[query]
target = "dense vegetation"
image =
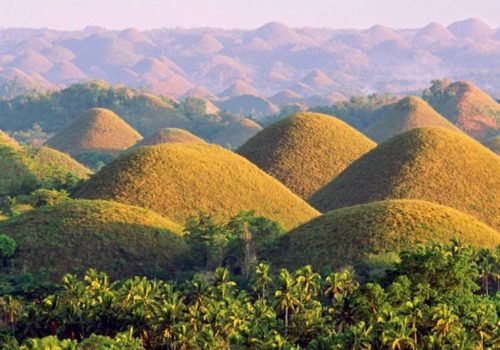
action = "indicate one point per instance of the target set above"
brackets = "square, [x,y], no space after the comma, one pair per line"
[434,297]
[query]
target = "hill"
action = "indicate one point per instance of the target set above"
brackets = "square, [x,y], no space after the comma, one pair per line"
[97,129]
[472,28]
[237,133]
[466,106]
[78,234]
[347,236]
[411,112]
[248,105]
[52,163]
[493,143]
[306,150]
[432,164]
[6,140]
[239,88]
[17,172]
[179,180]
[169,135]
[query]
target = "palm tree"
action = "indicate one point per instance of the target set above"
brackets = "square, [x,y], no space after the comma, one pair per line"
[398,335]
[445,319]
[308,281]
[262,279]
[286,299]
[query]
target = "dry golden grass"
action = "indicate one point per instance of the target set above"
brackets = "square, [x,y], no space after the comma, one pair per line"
[348,235]
[97,129]
[493,143]
[432,164]
[52,163]
[181,179]
[6,140]
[170,135]
[78,234]
[306,150]
[409,113]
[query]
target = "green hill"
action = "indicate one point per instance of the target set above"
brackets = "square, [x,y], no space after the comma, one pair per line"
[345,236]
[181,179]
[78,234]
[96,130]
[432,164]
[52,163]
[236,133]
[409,113]
[16,175]
[493,143]
[306,150]
[170,135]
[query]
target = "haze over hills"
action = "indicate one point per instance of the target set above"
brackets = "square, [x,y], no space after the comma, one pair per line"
[268,60]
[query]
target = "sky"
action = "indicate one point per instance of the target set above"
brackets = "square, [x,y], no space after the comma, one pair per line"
[148,14]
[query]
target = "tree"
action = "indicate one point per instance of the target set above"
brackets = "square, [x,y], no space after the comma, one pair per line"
[7,248]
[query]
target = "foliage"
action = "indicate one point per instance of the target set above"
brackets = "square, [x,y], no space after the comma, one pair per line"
[306,150]
[429,300]
[179,180]
[7,248]
[432,164]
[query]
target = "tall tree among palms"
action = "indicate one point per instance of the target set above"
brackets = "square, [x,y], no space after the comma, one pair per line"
[286,298]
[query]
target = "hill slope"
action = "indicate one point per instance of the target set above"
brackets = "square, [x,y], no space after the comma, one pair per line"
[493,143]
[306,150]
[411,112]
[170,135]
[98,129]
[6,140]
[237,133]
[348,235]
[179,180]
[432,164]
[76,235]
[52,163]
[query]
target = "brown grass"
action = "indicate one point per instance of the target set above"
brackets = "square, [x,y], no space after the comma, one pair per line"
[432,164]
[52,163]
[170,135]
[306,150]
[181,179]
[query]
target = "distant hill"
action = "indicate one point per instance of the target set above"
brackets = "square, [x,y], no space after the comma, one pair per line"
[237,133]
[52,163]
[77,235]
[248,105]
[169,135]
[493,143]
[411,112]
[472,28]
[306,150]
[96,130]
[465,105]
[179,180]
[432,164]
[347,236]
[239,88]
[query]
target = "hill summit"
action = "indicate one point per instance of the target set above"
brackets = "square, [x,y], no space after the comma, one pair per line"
[97,129]
[350,235]
[181,179]
[170,135]
[432,164]
[411,112]
[306,150]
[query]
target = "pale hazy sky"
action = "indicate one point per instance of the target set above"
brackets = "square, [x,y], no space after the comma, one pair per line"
[146,14]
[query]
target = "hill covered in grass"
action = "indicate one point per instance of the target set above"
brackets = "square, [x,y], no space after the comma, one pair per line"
[96,130]
[493,143]
[52,163]
[237,133]
[6,140]
[350,235]
[79,234]
[16,175]
[170,135]
[409,113]
[306,150]
[432,164]
[180,180]
[466,106]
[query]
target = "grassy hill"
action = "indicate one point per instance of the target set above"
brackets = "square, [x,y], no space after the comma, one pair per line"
[16,173]
[179,180]
[306,150]
[493,143]
[237,133]
[6,140]
[78,234]
[466,106]
[432,164]
[170,135]
[52,163]
[411,112]
[348,235]
[98,130]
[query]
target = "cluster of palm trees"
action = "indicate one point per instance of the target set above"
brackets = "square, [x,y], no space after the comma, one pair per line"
[430,300]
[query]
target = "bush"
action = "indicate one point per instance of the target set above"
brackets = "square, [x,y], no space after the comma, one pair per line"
[7,248]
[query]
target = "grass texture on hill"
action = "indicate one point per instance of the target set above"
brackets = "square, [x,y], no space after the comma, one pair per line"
[170,135]
[99,130]
[80,234]
[237,133]
[409,113]
[53,163]
[181,179]
[349,235]
[16,171]
[306,150]
[432,164]
[493,143]
[6,140]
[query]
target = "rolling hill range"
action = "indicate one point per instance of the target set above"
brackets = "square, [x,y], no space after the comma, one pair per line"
[306,150]
[411,112]
[96,130]
[179,180]
[467,106]
[76,235]
[350,235]
[432,164]
[267,60]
